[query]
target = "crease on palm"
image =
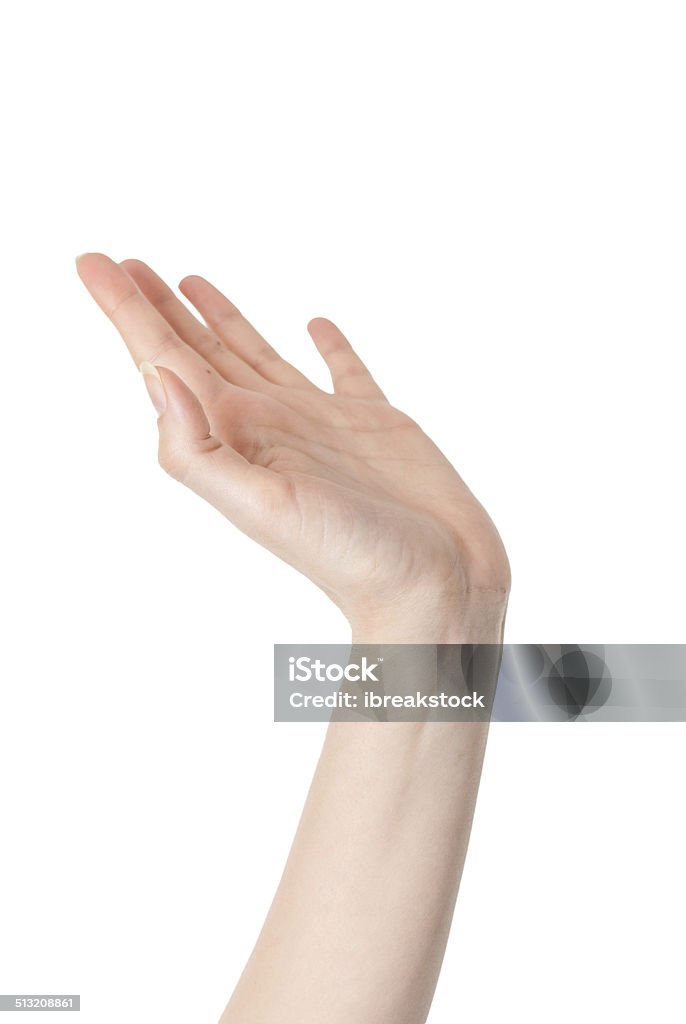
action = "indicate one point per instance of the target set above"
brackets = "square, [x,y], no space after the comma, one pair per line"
[340,455]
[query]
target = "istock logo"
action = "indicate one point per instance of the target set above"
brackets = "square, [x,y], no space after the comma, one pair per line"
[303,670]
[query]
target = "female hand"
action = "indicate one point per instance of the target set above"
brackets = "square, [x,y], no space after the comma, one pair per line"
[352,493]
[343,486]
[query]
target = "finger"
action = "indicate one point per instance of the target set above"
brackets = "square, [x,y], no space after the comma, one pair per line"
[189,328]
[239,336]
[248,495]
[148,336]
[349,374]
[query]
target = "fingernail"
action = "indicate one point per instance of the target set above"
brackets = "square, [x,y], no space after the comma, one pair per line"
[80,256]
[155,386]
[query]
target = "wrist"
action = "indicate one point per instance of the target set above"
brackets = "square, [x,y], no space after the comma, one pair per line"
[477,616]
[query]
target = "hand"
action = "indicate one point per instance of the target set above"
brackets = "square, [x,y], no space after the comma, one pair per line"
[343,486]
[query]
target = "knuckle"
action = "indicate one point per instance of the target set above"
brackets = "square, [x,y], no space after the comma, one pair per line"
[173,459]
[352,374]
[165,341]
[228,319]
[115,310]
[265,358]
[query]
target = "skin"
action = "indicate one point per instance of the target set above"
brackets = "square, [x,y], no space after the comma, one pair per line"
[352,493]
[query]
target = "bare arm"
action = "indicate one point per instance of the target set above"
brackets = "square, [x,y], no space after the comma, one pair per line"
[353,494]
[359,924]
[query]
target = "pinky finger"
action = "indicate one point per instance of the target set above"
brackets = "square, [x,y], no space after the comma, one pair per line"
[348,373]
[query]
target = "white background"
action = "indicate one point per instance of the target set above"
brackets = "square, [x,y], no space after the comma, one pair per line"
[488,198]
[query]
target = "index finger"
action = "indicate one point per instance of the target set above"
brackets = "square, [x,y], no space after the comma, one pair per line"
[148,336]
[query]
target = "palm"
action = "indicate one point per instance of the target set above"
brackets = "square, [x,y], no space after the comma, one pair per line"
[343,486]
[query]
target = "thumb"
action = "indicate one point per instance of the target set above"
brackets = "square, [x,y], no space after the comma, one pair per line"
[191,454]
[183,426]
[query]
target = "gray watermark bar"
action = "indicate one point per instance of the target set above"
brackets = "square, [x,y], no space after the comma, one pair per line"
[41,1004]
[385,682]
[480,682]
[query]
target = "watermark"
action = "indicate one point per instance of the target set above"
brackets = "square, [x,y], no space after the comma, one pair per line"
[24,1003]
[394,682]
[480,682]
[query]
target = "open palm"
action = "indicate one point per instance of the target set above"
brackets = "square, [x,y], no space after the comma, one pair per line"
[343,486]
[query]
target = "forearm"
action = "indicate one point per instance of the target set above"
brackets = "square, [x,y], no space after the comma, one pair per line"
[359,924]
[352,493]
